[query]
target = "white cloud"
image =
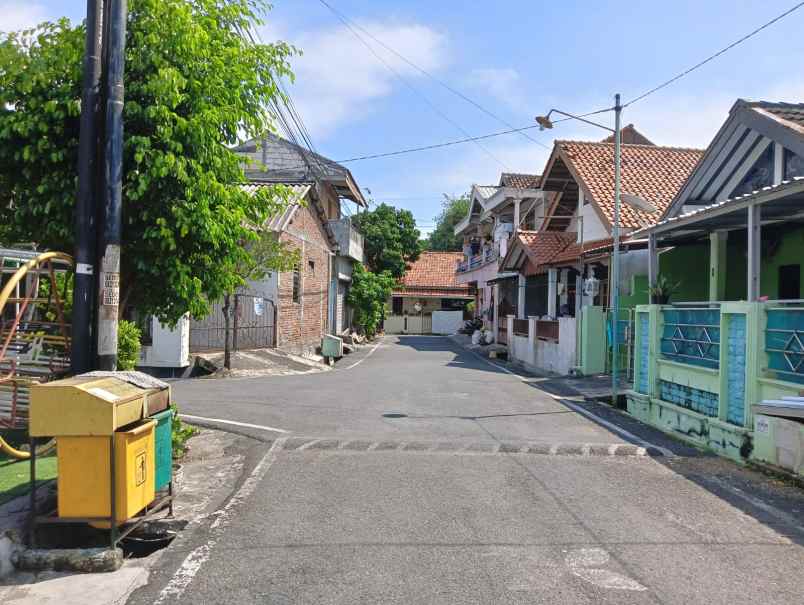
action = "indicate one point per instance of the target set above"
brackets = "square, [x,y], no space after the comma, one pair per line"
[20,15]
[338,80]
[502,84]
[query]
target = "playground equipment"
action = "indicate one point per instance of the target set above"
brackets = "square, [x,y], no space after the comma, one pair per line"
[34,329]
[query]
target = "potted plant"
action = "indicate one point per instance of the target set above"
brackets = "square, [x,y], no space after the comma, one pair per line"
[661,292]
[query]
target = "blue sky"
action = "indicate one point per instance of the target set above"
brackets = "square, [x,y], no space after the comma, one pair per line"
[517,58]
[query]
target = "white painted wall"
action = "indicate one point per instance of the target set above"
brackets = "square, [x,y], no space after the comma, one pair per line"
[447,322]
[557,357]
[169,348]
[593,228]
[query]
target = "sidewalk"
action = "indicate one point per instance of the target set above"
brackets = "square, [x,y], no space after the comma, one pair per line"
[208,474]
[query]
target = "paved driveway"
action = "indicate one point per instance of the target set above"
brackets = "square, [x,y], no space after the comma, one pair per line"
[481,489]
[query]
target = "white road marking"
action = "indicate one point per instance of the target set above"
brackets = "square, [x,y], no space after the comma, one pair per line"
[307,445]
[234,423]
[584,412]
[369,354]
[197,557]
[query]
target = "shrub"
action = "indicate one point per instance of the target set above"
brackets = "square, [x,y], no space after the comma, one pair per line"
[181,433]
[128,345]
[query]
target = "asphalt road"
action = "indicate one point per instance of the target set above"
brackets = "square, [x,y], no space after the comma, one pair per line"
[480,488]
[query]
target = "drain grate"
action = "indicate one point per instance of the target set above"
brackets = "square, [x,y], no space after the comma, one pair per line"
[394,415]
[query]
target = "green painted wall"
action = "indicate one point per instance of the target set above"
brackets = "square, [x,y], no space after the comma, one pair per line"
[688,266]
[788,249]
[639,293]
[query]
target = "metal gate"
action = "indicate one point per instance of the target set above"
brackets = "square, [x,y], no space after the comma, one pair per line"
[625,342]
[252,325]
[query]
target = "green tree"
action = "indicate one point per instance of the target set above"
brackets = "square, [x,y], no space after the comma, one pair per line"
[194,87]
[391,239]
[443,238]
[367,296]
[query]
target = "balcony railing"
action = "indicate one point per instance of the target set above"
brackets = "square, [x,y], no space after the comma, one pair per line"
[476,261]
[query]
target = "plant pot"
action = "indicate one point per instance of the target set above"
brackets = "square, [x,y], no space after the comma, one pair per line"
[660,299]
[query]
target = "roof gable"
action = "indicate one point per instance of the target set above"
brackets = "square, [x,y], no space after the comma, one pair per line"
[274,159]
[750,131]
[651,172]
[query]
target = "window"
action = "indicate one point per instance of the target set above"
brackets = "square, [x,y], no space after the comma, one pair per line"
[790,282]
[793,165]
[311,266]
[397,305]
[296,283]
[760,175]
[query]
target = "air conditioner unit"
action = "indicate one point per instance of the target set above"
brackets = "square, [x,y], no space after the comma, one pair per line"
[591,287]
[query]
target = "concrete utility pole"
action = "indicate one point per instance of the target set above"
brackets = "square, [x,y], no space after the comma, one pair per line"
[111,236]
[86,204]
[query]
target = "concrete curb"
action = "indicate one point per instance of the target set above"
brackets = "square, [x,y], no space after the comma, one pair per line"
[83,560]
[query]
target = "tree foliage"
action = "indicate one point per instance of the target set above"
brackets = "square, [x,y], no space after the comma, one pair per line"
[194,87]
[443,238]
[391,239]
[128,345]
[367,296]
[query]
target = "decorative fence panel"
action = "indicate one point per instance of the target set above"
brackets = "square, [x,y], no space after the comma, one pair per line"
[547,329]
[691,336]
[521,327]
[784,343]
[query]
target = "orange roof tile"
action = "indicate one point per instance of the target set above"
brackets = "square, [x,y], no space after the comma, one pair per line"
[651,172]
[433,271]
[572,253]
[542,246]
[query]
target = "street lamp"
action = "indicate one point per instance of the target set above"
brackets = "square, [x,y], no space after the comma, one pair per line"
[545,123]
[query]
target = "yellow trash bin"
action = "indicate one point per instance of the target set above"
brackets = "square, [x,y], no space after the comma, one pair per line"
[84,488]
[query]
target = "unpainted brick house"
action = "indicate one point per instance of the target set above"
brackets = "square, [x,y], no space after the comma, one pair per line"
[289,310]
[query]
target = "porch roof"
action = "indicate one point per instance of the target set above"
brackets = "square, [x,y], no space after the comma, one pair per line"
[433,293]
[533,249]
[782,202]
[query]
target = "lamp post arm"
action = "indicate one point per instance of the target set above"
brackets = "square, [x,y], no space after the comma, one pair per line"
[579,118]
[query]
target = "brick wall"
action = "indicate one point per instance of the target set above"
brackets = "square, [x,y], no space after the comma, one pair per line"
[301,324]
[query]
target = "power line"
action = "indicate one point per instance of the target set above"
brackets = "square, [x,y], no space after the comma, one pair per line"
[716,55]
[402,79]
[423,71]
[438,145]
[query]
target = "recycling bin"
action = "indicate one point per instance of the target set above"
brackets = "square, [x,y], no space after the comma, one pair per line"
[164,448]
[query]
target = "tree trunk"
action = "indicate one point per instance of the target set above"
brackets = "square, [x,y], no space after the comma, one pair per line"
[236,322]
[227,351]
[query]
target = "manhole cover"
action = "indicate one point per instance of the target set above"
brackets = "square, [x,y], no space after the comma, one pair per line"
[394,415]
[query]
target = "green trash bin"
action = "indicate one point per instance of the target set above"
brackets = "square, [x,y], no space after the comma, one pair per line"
[164,448]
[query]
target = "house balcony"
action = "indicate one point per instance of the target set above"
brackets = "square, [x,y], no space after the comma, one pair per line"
[475,262]
[350,240]
[709,373]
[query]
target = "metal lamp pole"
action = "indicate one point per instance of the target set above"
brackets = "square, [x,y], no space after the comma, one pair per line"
[615,257]
[614,277]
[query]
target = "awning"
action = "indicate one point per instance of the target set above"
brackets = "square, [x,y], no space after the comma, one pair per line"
[502,277]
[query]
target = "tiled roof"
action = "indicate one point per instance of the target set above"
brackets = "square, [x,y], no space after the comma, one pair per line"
[433,292]
[651,172]
[278,160]
[434,270]
[542,246]
[572,253]
[279,221]
[486,191]
[792,114]
[520,181]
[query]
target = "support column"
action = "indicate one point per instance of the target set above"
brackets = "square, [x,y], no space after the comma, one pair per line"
[552,292]
[495,324]
[517,203]
[754,251]
[717,265]
[653,261]
[520,299]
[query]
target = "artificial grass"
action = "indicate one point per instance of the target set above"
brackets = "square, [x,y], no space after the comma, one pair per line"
[15,475]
